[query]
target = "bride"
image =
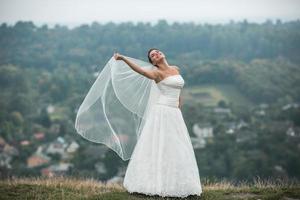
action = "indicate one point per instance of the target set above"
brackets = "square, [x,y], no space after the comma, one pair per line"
[163,161]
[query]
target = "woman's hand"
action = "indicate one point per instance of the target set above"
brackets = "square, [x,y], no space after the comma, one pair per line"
[118,56]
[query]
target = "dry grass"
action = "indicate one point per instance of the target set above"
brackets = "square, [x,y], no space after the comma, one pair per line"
[94,186]
[270,183]
[60,186]
[83,188]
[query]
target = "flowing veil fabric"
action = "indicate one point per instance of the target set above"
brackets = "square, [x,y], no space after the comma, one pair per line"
[116,107]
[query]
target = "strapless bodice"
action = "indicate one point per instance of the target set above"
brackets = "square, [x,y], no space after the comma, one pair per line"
[170,88]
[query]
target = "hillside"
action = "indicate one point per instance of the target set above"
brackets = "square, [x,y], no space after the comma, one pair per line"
[46,72]
[74,188]
[211,94]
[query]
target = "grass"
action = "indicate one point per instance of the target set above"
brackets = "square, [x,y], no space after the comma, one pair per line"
[211,94]
[76,188]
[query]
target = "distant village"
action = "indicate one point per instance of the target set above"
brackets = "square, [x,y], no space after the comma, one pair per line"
[202,133]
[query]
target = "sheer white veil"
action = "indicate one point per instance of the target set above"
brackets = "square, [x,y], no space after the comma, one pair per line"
[116,107]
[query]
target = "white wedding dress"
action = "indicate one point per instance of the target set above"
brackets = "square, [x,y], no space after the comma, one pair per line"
[163,161]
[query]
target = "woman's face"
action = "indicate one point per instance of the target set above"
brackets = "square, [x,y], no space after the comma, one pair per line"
[155,56]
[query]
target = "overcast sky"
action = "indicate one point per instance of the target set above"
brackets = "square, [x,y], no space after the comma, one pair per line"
[73,12]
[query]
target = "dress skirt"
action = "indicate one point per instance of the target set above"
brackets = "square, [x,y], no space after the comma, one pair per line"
[163,161]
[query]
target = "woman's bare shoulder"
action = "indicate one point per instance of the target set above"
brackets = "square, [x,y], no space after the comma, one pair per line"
[176,67]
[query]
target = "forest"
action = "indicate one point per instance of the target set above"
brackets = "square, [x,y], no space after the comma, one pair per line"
[46,72]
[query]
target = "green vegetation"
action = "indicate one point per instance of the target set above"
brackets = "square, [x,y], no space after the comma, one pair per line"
[250,69]
[71,188]
[212,94]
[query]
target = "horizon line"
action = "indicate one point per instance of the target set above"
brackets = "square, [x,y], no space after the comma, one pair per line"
[152,22]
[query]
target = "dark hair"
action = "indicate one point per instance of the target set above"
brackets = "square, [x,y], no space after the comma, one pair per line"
[149,54]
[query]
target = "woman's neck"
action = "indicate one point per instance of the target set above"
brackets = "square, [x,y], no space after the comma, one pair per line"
[163,65]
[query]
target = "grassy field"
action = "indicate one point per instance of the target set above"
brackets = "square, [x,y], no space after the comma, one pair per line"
[209,95]
[75,188]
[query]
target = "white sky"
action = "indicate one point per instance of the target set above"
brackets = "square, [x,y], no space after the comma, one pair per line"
[74,12]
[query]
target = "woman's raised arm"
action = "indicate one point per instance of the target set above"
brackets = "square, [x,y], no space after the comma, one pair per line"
[152,74]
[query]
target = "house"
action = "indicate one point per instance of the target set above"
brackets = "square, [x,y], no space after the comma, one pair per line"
[39,135]
[55,147]
[7,152]
[278,168]
[233,126]
[260,112]
[289,106]
[72,148]
[290,132]
[198,142]
[37,159]
[61,147]
[100,168]
[230,131]
[5,160]
[25,142]
[10,150]
[58,146]
[202,131]
[50,109]
[56,169]
[61,140]
[220,110]
[241,124]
